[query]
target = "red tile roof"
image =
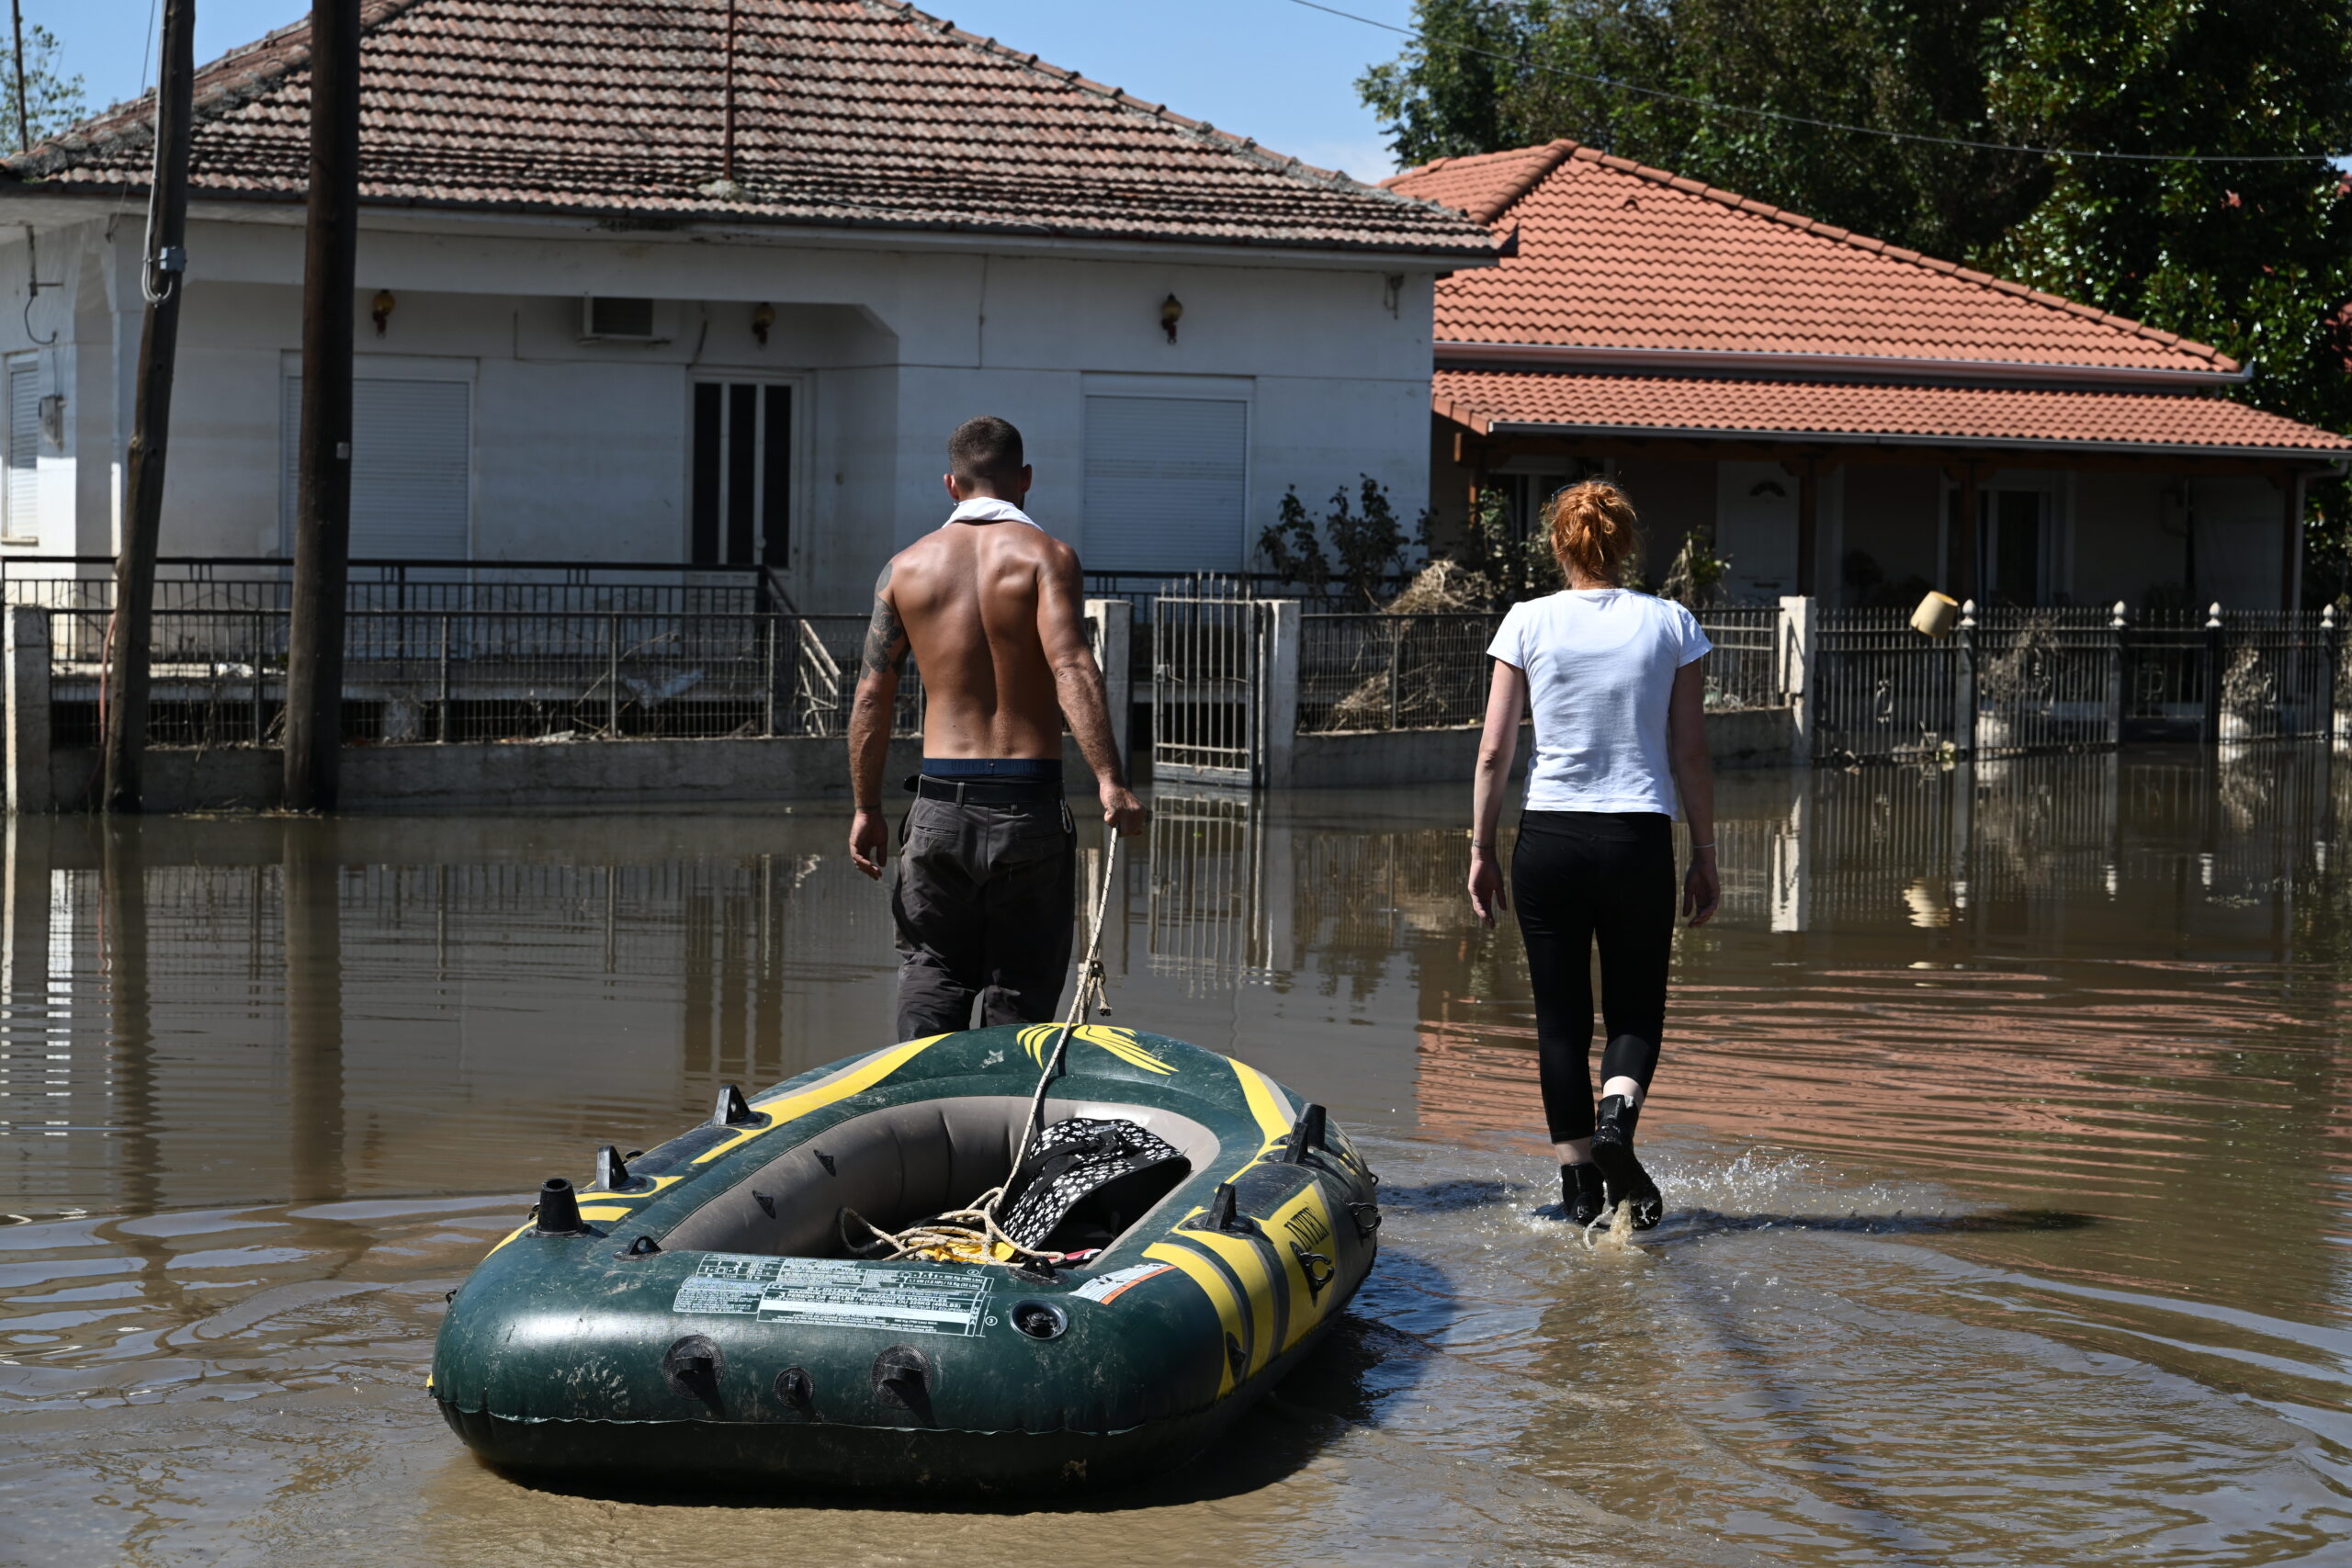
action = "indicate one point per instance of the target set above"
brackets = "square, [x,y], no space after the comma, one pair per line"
[1612,254]
[1873,414]
[848,113]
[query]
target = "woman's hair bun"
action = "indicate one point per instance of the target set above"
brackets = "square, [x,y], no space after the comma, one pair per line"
[1594,531]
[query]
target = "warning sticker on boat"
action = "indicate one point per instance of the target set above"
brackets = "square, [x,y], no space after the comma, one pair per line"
[836,1292]
[1110,1287]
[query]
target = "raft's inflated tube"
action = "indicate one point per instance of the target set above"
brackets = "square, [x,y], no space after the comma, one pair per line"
[696,1317]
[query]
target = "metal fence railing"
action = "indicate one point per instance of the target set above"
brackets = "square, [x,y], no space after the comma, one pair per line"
[258,583]
[217,676]
[1360,673]
[2047,680]
[1881,690]
[2012,680]
[1209,654]
[1743,670]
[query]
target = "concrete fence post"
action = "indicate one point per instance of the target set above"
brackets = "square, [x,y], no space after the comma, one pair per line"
[1278,691]
[27,650]
[1795,646]
[1113,621]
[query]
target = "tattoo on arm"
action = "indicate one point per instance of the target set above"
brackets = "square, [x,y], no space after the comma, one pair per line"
[886,638]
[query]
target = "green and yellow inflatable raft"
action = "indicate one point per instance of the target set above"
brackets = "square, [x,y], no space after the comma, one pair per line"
[700,1315]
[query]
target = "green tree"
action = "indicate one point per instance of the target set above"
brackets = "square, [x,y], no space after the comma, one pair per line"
[52,100]
[1918,66]
[2253,258]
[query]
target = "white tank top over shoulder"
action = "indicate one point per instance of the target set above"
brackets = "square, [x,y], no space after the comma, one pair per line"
[1600,665]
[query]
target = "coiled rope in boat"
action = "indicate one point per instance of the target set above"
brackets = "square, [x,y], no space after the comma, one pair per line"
[972,1234]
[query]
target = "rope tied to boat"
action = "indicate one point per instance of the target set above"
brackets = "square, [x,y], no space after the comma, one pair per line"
[972,1234]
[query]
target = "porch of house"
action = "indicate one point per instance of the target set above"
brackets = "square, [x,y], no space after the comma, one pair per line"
[1879,527]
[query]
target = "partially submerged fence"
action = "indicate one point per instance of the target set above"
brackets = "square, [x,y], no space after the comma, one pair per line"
[219,675]
[2011,681]
[1364,673]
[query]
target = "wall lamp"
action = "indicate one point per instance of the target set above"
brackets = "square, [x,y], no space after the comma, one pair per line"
[763,318]
[1172,310]
[382,309]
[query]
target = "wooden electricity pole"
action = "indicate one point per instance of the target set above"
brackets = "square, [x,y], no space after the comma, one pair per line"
[322,485]
[163,276]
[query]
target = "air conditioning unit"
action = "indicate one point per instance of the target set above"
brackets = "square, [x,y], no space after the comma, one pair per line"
[611,318]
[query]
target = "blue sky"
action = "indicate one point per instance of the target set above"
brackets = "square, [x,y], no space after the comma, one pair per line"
[1264,68]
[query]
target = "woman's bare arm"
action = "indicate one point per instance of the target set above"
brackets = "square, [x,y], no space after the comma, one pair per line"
[1694,780]
[1497,746]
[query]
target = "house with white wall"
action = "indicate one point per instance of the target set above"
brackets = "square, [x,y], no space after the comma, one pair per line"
[709,282]
[1842,417]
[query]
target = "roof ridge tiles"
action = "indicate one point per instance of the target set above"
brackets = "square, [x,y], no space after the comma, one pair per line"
[1582,153]
[896,65]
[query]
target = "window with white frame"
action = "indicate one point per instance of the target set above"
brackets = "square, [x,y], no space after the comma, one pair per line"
[1166,484]
[740,510]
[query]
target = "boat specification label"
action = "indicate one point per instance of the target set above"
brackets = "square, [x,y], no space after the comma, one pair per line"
[837,1292]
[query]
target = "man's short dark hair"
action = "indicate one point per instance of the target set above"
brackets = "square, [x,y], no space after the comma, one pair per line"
[986,449]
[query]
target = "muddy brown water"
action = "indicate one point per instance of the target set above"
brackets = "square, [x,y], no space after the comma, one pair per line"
[2003,1123]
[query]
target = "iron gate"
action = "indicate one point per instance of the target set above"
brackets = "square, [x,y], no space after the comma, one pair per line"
[1209,652]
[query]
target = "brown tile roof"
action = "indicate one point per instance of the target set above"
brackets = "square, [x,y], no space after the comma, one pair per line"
[1613,255]
[1845,413]
[848,113]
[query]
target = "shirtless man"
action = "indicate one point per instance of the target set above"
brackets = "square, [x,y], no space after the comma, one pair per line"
[993,609]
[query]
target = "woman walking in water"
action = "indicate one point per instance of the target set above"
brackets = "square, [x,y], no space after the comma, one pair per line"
[1613,677]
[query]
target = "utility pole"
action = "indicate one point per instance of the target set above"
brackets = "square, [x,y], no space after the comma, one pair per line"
[322,487]
[162,272]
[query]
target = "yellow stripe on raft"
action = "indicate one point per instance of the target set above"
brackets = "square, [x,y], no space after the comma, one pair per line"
[1202,1272]
[1248,1266]
[856,1080]
[510,1236]
[1302,1224]
[1265,1100]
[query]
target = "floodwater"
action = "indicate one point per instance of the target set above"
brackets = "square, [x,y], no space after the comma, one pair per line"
[2005,1123]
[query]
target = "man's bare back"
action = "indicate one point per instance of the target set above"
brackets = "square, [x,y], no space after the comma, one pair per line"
[994,613]
[985,608]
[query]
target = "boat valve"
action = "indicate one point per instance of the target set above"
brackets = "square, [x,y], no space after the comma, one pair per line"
[559,1210]
[796,1388]
[690,1365]
[733,1110]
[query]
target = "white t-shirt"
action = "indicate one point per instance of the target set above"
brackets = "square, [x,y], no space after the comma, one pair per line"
[1599,665]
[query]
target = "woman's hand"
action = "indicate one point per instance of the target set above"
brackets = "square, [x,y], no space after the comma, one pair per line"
[1701,889]
[1486,894]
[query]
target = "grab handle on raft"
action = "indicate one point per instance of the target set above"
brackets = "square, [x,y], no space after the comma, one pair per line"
[1307,1133]
[733,1110]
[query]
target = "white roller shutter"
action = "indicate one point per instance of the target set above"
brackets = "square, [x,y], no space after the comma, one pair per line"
[411,455]
[23,503]
[1166,484]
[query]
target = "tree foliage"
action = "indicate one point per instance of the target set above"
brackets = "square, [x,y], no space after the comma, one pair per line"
[52,99]
[2255,259]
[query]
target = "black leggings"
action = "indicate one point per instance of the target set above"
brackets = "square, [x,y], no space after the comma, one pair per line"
[1578,876]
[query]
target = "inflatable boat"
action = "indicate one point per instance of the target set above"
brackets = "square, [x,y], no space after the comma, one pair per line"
[768,1299]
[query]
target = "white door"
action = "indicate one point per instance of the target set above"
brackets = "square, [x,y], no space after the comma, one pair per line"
[1166,484]
[411,468]
[1756,529]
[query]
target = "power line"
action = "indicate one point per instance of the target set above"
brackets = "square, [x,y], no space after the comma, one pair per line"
[1711,106]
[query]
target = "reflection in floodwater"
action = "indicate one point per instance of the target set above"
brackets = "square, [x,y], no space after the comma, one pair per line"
[2003,1116]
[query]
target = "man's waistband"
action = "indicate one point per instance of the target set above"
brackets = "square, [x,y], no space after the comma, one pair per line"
[988,781]
[992,768]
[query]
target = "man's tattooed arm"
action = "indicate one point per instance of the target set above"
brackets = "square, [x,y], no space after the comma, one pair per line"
[886,638]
